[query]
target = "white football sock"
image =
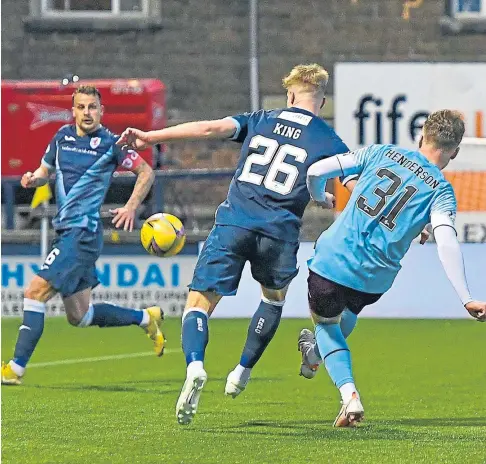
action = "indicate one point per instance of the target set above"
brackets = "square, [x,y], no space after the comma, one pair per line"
[194,366]
[19,370]
[243,373]
[347,391]
[145,318]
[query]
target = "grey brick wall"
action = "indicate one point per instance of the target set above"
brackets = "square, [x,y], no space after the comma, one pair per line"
[201,51]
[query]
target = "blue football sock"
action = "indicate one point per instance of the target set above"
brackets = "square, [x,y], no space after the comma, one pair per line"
[195,334]
[109,315]
[335,353]
[262,328]
[30,331]
[347,324]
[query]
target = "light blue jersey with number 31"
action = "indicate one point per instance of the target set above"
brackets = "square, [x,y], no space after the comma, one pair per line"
[392,202]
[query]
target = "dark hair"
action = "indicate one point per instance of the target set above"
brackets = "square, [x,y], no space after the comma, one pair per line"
[87,90]
[444,129]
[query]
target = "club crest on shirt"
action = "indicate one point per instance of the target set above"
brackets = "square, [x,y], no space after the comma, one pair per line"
[95,142]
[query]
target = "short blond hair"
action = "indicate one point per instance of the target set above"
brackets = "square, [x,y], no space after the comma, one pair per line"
[308,77]
[444,129]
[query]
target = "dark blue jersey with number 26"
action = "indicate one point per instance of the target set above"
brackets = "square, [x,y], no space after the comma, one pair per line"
[268,193]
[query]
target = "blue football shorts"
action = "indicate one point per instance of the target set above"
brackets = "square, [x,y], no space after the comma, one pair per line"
[70,265]
[273,262]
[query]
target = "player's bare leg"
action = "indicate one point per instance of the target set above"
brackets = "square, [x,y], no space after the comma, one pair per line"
[262,328]
[199,307]
[36,295]
[80,312]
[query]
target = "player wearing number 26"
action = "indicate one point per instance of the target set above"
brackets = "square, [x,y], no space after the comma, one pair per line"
[356,260]
[259,222]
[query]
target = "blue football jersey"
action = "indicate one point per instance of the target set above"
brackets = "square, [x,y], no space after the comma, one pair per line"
[268,193]
[83,166]
[392,202]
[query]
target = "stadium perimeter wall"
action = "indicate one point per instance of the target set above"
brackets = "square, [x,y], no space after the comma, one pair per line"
[132,278]
[201,52]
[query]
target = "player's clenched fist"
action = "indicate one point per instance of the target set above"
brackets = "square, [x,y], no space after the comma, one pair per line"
[28,180]
[329,201]
[134,138]
[477,309]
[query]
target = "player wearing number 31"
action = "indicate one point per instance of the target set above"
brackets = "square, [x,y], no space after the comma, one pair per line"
[83,156]
[356,260]
[259,222]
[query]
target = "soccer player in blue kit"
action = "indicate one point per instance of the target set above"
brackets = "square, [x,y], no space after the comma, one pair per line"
[356,260]
[259,221]
[83,156]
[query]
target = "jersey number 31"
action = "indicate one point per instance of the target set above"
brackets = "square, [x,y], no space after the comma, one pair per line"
[274,154]
[389,220]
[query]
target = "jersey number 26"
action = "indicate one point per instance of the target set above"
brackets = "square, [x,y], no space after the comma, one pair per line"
[274,155]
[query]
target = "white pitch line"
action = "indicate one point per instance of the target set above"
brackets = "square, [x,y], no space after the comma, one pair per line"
[96,359]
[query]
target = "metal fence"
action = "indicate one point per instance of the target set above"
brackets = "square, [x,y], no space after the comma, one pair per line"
[191,194]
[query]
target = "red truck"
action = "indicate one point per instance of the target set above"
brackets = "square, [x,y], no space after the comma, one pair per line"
[32,111]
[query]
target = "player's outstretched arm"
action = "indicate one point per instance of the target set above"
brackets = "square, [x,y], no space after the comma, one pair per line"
[197,130]
[319,173]
[35,179]
[125,216]
[452,261]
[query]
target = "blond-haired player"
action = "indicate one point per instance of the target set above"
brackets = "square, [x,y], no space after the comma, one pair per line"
[259,222]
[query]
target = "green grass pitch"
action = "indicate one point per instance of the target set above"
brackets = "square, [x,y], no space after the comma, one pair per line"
[422,383]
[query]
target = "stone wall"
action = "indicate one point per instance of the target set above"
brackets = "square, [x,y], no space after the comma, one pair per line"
[201,49]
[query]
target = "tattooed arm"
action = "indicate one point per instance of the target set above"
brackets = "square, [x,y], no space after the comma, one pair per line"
[125,217]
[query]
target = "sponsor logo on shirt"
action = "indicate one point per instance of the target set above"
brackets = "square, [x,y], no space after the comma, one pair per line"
[298,118]
[80,150]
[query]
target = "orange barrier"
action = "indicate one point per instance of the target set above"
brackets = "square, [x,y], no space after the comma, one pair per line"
[469,187]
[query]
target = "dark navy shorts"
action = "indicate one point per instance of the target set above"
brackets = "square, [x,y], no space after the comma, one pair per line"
[227,249]
[70,266]
[329,299]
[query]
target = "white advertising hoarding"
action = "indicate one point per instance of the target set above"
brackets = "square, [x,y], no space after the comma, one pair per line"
[471,227]
[421,289]
[133,281]
[389,102]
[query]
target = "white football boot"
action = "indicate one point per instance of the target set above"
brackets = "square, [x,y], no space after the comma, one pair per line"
[306,343]
[188,401]
[351,413]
